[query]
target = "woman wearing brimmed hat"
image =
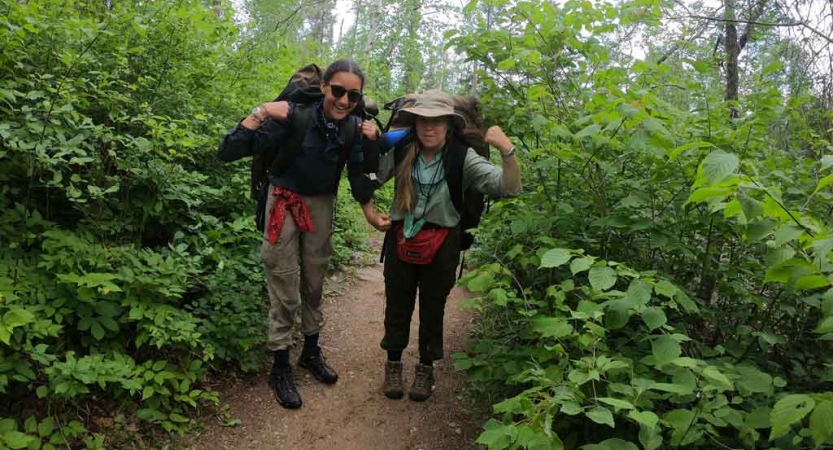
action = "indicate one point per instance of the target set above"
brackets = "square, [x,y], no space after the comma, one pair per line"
[422,248]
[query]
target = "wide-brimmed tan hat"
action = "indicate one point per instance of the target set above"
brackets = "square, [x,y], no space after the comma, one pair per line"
[433,103]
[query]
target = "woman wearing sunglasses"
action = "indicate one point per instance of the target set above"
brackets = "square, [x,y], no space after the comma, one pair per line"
[298,227]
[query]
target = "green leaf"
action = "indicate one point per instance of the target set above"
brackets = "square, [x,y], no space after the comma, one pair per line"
[601,415]
[759,418]
[554,327]
[42,391]
[602,278]
[826,326]
[773,67]
[616,403]
[579,265]
[17,317]
[665,349]
[826,161]
[823,183]
[639,292]
[673,154]
[699,66]
[7,425]
[788,411]
[480,283]
[753,380]
[178,418]
[5,335]
[147,392]
[619,444]
[97,331]
[759,229]
[654,318]
[665,288]
[787,233]
[708,193]
[686,302]
[571,408]
[496,435]
[718,165]
[717,378]
[16,440]
[650,437]
[589,131]
[647,418]
[45,427]
[506,64]
[555,258]
[821,422]
[617,313]
[30,425]
[809,282]
[679,419]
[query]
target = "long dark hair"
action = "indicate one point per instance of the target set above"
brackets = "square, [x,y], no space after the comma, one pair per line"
[343,65]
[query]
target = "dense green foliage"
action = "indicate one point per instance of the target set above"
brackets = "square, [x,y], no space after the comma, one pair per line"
[665,282]
[129,263]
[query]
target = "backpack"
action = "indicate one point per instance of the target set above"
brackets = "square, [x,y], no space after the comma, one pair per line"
[303,90]
[469,204]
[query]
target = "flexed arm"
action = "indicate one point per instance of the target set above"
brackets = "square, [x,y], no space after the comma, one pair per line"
[510,181]
[256,133]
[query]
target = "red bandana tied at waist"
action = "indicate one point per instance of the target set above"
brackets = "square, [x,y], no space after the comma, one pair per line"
[288,200]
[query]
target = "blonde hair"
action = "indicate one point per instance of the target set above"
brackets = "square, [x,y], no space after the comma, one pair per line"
[405,198]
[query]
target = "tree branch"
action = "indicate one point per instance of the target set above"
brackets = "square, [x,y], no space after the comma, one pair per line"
[753,22]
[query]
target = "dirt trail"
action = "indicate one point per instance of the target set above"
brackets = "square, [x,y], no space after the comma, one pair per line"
[353,414]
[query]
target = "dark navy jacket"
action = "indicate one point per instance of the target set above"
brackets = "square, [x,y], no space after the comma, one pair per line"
[315,170]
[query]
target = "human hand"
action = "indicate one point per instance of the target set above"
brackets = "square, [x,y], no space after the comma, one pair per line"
[379,221]
[369,130]
[497,138]
[276,110]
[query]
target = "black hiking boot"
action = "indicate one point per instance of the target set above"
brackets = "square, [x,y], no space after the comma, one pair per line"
[282,384]
[313,361]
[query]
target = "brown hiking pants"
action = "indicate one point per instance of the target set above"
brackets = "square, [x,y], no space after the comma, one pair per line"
[295,267]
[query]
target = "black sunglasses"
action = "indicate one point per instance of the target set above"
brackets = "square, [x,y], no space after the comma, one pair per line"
[353,95]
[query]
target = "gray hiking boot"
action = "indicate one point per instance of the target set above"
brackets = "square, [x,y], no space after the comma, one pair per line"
[393,380]
[423,383]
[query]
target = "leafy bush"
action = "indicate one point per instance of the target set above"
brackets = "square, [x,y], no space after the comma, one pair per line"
[665,281]
[129,258]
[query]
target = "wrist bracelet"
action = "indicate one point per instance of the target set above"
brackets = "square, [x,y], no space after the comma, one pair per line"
[509,153]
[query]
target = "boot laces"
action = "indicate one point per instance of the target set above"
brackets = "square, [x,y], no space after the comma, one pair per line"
[423,378]
[396,376]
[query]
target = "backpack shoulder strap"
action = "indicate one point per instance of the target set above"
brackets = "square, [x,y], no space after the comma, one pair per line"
[302,117]
[454,163]
[347,134]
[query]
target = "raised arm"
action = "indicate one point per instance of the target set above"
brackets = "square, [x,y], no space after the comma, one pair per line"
[256,132]
[511,178]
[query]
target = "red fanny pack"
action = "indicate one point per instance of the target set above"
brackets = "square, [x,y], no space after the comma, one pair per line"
[421,248]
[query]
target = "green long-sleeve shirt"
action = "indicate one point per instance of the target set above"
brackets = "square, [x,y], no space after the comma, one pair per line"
[434,203]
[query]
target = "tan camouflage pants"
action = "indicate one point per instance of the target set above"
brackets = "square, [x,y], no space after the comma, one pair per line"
[295,267]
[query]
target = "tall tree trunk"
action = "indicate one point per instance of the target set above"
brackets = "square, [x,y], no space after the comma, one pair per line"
[732,54]
[733,44]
